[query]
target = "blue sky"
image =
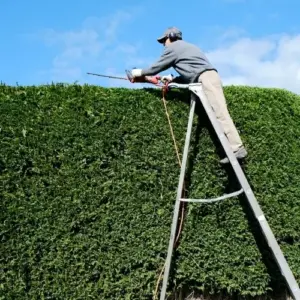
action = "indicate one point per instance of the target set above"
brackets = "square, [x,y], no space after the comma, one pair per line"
[250,42]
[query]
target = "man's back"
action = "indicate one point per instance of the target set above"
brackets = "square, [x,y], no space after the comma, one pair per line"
[187,59]
[190,60]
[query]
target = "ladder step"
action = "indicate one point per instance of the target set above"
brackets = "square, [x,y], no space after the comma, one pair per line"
[226,196]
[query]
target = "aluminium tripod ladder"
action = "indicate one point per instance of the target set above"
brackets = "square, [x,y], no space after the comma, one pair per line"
[197,91]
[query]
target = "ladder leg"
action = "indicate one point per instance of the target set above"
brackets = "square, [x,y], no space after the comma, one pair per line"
[177,204]
[279,257]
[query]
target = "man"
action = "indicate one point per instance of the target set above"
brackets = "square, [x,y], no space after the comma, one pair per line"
[193,66]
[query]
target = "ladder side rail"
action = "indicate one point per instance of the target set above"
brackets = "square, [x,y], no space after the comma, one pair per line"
[272,242]
[177,203]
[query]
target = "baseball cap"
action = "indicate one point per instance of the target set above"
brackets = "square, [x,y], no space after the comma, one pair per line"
[169,30]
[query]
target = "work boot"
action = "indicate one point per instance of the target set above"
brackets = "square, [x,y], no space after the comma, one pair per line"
[241,153]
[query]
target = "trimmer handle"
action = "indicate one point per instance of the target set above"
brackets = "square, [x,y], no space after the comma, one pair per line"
[143,79]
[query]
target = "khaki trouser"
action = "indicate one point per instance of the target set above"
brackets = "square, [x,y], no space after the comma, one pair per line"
[213,89]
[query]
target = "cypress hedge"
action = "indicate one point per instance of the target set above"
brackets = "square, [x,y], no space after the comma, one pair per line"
[88,184]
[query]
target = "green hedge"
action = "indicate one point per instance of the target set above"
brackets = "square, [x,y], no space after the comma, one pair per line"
[88,183]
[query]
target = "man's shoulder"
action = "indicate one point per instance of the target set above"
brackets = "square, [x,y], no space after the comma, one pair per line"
[181,44]
[178,43]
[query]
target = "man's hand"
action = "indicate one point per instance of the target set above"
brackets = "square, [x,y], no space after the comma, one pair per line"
[167,78]
[136,73]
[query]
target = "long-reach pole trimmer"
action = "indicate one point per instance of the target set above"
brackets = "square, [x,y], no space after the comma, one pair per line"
[156,80]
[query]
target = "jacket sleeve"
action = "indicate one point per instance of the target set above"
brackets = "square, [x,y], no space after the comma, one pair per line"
[166,61]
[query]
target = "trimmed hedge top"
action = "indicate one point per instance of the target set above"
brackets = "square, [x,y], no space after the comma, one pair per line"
[88,184]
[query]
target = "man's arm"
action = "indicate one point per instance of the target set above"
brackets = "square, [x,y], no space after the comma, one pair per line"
[164,62]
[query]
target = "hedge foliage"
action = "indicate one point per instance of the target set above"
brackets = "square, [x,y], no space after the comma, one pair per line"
[88,183]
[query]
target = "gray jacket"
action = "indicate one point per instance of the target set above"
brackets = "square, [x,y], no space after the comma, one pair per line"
[187,59]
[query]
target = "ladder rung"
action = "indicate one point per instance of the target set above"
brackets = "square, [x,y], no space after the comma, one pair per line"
[226,196]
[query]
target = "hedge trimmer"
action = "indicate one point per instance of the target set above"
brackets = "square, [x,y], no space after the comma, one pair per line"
[156,80]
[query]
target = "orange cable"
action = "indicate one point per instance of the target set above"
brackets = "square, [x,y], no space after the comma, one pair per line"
[164,88]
